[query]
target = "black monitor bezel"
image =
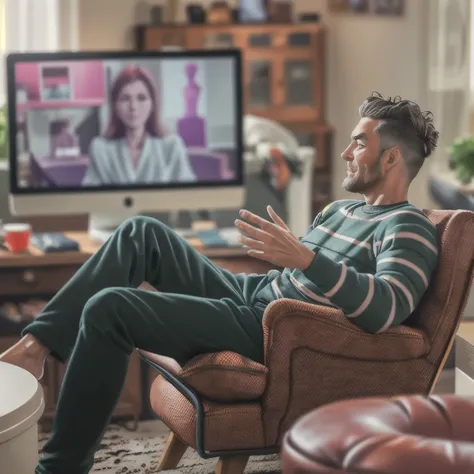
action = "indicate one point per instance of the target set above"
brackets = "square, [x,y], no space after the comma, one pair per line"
[15,58]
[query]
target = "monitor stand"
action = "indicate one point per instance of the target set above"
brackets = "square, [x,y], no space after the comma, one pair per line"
[102,226]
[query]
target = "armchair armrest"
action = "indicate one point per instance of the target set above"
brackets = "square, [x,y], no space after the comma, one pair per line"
[315,355]
[289,324]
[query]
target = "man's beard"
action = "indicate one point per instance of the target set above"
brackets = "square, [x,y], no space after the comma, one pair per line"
[363,179]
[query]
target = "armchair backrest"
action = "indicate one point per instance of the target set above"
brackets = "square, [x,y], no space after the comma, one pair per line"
[441,308]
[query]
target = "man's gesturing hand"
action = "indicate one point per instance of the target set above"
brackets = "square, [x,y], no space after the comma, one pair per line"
[273,241]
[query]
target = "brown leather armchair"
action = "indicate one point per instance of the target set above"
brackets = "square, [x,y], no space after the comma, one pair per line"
[224,405]
[405,435]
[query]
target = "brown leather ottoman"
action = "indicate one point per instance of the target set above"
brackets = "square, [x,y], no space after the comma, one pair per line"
[403,435]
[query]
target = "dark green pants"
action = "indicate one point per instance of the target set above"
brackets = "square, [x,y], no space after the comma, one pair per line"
[99,317]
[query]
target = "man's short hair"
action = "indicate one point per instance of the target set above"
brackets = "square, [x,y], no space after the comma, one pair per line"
[404,125]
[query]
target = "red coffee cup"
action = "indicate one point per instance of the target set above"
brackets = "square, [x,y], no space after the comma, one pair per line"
[17,236]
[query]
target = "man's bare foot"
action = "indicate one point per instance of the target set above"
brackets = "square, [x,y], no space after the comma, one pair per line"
[29,354]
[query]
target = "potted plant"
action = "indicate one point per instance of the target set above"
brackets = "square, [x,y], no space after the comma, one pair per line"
[3,133]
[462,159]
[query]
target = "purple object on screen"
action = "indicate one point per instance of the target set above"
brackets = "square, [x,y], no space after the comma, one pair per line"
[191,127]
[209,165]
[61,172]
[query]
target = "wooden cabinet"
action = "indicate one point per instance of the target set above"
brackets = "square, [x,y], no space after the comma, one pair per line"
[283,77]
[35,280]
[283,85]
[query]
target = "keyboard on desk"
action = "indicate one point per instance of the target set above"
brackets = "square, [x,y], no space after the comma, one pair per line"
[223,237]
[213,238]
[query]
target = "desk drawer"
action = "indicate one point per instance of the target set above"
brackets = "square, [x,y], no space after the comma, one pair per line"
[35,280]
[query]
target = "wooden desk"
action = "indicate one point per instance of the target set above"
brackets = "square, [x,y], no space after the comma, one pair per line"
[34,274]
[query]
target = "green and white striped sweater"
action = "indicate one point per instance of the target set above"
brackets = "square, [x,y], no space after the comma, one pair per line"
[372,262]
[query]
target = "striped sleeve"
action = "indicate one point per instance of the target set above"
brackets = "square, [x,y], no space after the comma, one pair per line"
[406,257]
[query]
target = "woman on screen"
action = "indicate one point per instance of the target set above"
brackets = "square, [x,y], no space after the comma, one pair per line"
[134,148]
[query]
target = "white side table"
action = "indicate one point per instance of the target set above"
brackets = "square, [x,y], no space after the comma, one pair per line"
[21,406]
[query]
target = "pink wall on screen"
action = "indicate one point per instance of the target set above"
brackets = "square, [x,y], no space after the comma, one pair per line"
[88,79]
[27,75]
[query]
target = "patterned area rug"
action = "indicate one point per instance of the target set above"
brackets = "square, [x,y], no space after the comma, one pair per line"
[138,452]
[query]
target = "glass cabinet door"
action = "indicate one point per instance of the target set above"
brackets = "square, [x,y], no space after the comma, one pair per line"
[299,86]
[259,83]
[299,82]
[173,38]
[218,40]
[201,38]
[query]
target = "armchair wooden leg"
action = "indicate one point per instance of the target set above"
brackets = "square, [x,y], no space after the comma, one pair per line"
[172,453]
[231,464]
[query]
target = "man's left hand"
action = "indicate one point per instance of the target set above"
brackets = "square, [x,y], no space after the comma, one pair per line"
[273,241]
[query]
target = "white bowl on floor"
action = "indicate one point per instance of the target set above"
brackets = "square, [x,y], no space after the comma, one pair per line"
[21,406]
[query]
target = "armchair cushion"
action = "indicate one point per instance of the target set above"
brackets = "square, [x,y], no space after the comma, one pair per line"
[220,377]
[225,376]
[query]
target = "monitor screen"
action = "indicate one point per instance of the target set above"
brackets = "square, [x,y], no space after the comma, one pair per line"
[116,121]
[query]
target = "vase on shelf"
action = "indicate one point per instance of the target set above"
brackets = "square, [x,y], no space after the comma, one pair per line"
[156,15]
[142,12]
[171,11]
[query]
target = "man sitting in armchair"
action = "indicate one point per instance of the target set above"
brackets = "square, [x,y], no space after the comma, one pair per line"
[372,258]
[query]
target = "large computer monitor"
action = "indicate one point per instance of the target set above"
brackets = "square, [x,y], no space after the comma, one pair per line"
[117,133]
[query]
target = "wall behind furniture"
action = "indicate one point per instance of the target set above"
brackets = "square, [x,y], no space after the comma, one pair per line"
[364,53]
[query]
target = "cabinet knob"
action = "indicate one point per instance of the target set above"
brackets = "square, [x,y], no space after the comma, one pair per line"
[29,277]
[279,40]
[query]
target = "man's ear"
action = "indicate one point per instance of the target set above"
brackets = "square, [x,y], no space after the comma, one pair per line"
[394,155]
